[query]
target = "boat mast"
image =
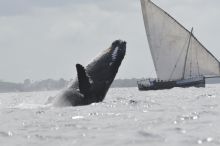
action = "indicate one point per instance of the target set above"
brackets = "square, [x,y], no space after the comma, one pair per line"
[187,52]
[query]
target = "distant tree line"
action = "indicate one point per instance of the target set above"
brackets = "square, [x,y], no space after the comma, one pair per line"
[28,86]
[124,83]
[51,84]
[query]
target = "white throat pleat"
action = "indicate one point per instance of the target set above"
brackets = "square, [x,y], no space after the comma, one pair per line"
[114,54]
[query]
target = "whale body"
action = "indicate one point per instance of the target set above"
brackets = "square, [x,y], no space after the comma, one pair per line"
[93,81]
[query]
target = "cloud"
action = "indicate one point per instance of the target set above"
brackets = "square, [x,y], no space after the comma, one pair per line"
[20,7]
[45,38]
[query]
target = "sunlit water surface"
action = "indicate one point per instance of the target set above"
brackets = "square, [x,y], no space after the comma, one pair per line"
[176,117]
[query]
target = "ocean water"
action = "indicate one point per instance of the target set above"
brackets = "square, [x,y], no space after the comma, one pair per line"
[127,117]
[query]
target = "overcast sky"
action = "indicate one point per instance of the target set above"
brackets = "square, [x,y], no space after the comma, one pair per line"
[42,39]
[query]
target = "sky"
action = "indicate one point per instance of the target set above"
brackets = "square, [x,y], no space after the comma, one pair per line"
[41,39]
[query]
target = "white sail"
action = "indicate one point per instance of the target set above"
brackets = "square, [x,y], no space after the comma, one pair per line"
[176,53]
[200,61]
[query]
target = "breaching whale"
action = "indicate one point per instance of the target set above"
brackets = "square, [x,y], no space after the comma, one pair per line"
[94,80]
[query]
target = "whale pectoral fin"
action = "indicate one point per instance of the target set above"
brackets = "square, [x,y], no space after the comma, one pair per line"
[84,84]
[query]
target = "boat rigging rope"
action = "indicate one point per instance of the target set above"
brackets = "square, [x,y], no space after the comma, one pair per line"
[178,59]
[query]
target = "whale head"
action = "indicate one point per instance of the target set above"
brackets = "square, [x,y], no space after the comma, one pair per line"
[106,65]
[103,69]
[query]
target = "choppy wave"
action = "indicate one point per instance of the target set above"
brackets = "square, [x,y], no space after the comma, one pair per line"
[126,117]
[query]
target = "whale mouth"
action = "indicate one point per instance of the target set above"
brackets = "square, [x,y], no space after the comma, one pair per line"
[118,51]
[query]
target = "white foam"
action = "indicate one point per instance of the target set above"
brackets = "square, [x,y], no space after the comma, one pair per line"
[30,106]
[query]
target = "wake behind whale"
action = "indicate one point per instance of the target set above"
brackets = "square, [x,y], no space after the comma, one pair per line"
[93,81]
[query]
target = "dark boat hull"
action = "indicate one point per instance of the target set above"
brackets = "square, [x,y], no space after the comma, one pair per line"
[160,85]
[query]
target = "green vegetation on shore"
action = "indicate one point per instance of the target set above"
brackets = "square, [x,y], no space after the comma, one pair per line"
[50,84]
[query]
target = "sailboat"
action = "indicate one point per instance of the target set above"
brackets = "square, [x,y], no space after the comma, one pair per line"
[180,60]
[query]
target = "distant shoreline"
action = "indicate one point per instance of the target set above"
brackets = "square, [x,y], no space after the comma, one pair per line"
[50,84]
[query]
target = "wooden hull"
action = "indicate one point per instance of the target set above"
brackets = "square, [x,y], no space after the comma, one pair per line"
[160,85]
